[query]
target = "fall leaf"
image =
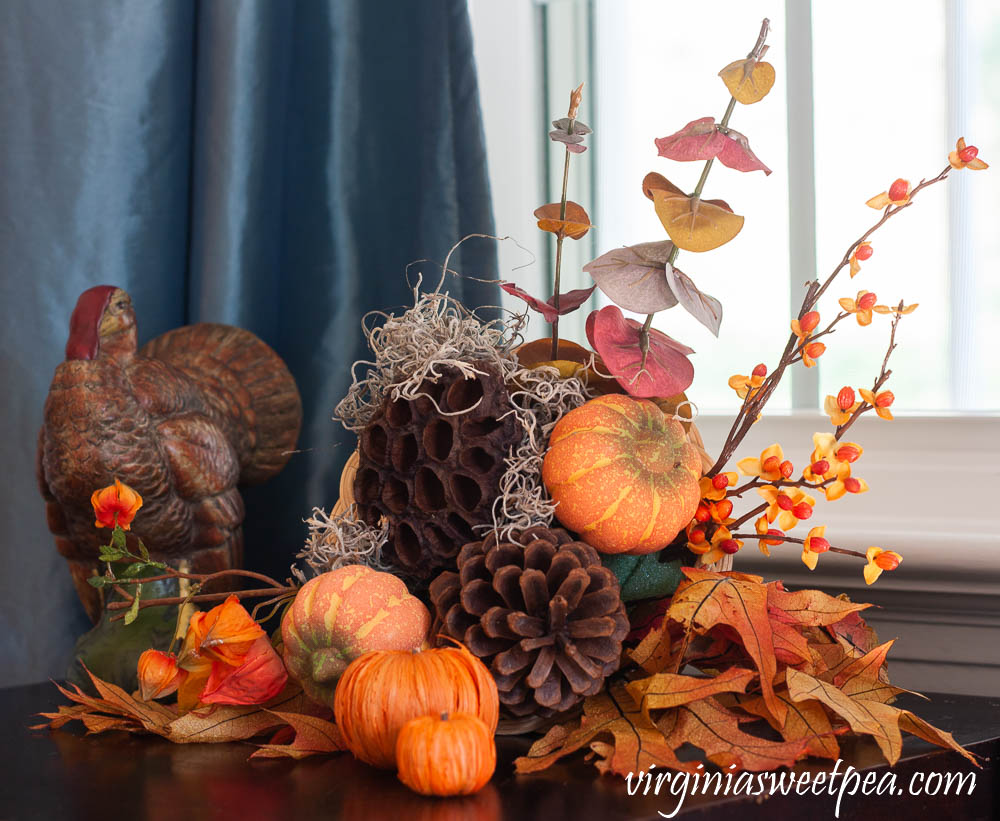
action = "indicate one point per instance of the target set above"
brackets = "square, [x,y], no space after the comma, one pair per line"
[706,309]
[235,723]
[865,678]
[711,599]
[313,736]
[574,225]
[634,277]
[665,690]
[715,730]
[635,742]
[748,80]
[704,140]
[804,721]
[809,607]
[695,224]
[667,369]
[568,302]
[881,721]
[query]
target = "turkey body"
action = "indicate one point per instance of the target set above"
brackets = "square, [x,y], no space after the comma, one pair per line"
[184,421]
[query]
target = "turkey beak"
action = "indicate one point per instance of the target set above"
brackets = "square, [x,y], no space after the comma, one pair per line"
[118,316]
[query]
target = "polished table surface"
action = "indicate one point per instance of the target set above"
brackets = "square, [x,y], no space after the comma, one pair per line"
[64,775]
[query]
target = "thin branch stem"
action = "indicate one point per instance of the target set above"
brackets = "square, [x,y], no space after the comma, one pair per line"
[759,536]
[200,598]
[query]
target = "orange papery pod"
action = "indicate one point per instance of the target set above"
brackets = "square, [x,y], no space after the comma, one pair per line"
[258,679]
[158,674]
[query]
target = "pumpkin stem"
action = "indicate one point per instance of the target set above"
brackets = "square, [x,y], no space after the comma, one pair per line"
[444,716]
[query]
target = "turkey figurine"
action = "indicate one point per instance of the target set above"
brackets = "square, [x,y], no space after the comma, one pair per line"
[184,421]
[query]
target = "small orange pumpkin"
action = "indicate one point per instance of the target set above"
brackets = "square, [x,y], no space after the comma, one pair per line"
[383,689]
[450,755]
[623,474]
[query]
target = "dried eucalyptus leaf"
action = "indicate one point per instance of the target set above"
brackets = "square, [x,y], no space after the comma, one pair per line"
[706,309]
[634,277]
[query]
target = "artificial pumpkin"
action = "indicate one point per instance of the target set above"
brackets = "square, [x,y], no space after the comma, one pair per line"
[341,614]
[446,755]
[623,474]
[382,690]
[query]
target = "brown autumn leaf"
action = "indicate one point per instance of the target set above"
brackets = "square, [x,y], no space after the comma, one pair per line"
[804,721]
[808,607]
[219,723]
[882,722]
[740,602]
[313,736]
[716,731]
[614,727]
[855,631]
[665,690]
[574,225]
[866,678]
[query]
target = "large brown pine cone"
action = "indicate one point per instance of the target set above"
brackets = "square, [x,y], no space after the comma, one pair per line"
[541,611]
[434,476]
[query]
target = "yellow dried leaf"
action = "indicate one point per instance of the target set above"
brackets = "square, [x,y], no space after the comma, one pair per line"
[695,224]
[748,81]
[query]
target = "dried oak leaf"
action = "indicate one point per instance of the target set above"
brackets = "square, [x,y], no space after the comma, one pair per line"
[693,224]
[667,369]
[615,728]
[664,691]
[634,276]
[574,225]
[812,608]
[704,139]
[716,731]
[313,736]
[748,80]
[804,721]
[568,302]
[881,721]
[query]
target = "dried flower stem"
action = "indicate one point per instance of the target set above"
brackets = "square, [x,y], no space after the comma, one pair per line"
[203,597]
[574,107]
[756,52]
[754,402]
[883,376]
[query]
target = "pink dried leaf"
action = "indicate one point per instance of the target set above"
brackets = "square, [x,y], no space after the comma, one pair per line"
[667,370]
[704,139]
[736,153]
[634,277]
[706,309]
[568,302]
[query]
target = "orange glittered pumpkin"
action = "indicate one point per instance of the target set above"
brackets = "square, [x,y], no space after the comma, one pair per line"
[446,755]
[623,474]
[341,614]
[382,690]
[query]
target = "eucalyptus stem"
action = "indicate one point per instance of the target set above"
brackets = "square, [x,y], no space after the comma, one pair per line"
[560,237]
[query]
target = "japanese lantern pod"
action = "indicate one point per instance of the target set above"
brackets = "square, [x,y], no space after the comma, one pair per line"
[623,474]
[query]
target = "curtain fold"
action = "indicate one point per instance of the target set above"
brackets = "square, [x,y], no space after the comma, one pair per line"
[268,165]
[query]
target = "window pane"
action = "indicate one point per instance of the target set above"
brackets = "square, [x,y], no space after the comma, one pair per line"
[656,67]
[880,98]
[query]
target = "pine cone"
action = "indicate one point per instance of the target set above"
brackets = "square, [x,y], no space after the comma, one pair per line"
[435,476]
[541,611]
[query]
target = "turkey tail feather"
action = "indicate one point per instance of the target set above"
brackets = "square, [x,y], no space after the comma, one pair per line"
[251,391]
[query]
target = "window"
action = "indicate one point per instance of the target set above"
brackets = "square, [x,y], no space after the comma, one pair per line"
[865,92]
[893,84]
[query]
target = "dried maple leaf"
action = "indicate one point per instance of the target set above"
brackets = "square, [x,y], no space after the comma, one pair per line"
[808,607]
[313,736]
[614,727]
[574,225]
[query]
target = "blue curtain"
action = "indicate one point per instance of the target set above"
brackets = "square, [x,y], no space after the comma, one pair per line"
[273,165]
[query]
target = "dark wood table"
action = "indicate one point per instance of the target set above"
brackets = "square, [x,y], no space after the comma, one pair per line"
[64,775]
